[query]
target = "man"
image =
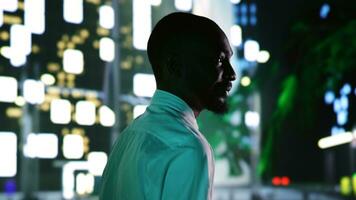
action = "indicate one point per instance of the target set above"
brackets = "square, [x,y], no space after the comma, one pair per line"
[162,154]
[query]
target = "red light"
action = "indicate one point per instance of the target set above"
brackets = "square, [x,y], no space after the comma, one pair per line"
[285,181]
[276,180]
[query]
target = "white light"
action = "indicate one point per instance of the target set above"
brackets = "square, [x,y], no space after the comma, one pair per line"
[338,139]
[20,101]
[18,60]
[235,1]
[20,40]
[329,97]
[73,11]
[106,116]
[34,15]
[97,162]
[6,51]
[60,112]
[1,17]
[8,89]
[263,56]
[48,79]
[144,85]
[68,176]
[337,105]
[183,5]
[251,50]
[33,91]
[73,146]
[139,110]
[106,17]
[141,23]
[342,117]
[8,154]
[346,89]
[236,35]
[8,5]
[43,145]
[84,183]
[252,119]
[344,102]
[85,113]
[73,61]
[155,2]
[107,49]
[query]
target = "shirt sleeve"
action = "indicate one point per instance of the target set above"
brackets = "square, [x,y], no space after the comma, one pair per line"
[186,177]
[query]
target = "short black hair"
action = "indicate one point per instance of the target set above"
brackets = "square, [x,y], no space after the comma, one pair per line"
[172,34]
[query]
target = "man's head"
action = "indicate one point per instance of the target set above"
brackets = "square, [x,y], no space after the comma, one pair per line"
[190,56]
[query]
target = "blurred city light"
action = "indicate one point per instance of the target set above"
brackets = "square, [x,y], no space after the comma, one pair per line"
[251,50]
[263,56]
[345,186]
[141,23]
[337,105]
[183,5]
[245,81]
[33,91]
[73,11]
[155,2]
[20,101]
[324,11]
[97,162]
[329,97]
[60,111]
[144,84]
[138,110]
[6,51]
[48,79]
[344,102]
[41,145]
[68,177]
[73,146]
[8,154]
[107,49]
[236,35]
[345,90]
[106,17]
[334,140]
[336,130]
[9,5]
[252,119]
[85,113]
[34,16]
[20,40]
[235,1]
[106,116]
[342,117]
[84,184]
[8,89]
[73,61]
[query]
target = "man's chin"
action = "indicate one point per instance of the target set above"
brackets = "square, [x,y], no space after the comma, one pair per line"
[219,106]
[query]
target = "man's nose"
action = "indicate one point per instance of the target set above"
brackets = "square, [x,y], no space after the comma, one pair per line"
[229,73]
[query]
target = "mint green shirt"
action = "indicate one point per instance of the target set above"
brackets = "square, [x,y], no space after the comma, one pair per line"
[161,155]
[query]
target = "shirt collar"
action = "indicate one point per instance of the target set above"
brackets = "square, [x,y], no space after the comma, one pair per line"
[168,102]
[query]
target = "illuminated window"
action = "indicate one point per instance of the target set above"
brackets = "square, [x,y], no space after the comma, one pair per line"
[107,49]
[138,110]
[141,23]
[144,85]
[73,11]
[34,15]
[106,116]
[106,17]
[85,113]
[183,5]
[33,91]
[8,89]
[9,5]
[73,61]
[60,112]
[97,162]
[8,154]
[73,146]
[43,145]
[251,50]
[236,35]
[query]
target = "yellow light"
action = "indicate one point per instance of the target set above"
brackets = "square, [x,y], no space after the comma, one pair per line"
[245,81]
[345,185]
[20,101]
[35,49]
[13,112]
[84,33]
[4,35]
[48,79]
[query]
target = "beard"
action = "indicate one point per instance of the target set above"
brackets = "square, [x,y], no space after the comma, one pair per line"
[216,103]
